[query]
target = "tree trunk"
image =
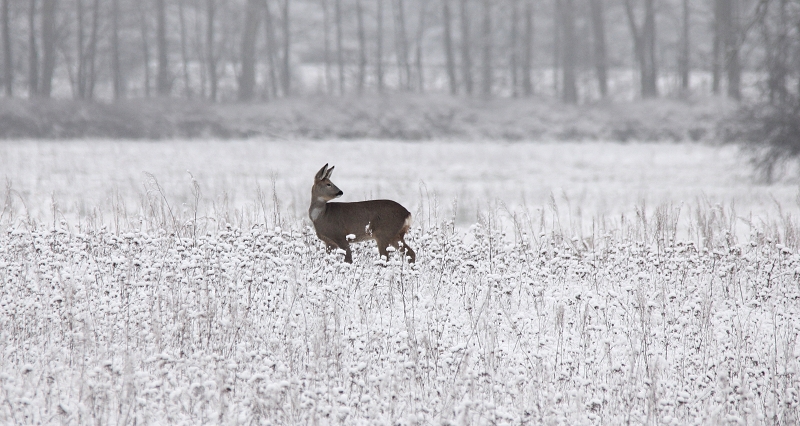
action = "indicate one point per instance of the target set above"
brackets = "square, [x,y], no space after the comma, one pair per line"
[49,11]
[187,88]
[80,76]
[403,64]
[717,54]
[684,62]
[92,53]
[339,47]
[211,60]
[247,78]
[116,66]
[466,57]
[269,22]
[513,48]
[164,82]
[650,83]
[486,44]
[644,47]
[777,54]
[199,45]
[326,44]
[557,18]
[599,30]
[570,89]
[419,43]
[286,76]
[527,52]
[145,47]
[448,47]
[733,68]
[33,52]
[379,47]
[362,48]
[8,59]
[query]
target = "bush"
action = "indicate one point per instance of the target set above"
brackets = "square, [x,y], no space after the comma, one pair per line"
[771,136]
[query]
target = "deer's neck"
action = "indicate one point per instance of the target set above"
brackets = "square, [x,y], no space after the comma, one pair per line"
[317,208]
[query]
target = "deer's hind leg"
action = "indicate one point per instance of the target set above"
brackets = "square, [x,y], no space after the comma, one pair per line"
[407,251]
[400,245]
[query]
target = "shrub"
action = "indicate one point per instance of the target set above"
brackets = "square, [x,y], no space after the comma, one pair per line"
[771,136]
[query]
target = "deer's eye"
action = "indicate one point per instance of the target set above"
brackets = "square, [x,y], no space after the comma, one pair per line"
[329,185]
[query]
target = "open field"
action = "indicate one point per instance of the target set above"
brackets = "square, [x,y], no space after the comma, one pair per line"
[591,180]
[569,283]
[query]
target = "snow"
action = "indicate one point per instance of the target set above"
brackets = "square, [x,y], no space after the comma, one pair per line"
[139,303]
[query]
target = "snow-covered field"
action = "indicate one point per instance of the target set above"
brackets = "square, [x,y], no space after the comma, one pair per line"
[569,283]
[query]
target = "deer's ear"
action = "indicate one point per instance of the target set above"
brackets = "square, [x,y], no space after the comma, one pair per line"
[328,173]
[321,173]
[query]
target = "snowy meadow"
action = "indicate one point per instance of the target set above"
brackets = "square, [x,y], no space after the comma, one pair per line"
[556,283]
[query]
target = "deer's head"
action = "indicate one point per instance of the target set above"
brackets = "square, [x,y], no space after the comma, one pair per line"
[323,189]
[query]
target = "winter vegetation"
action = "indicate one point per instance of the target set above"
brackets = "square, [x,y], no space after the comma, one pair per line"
[581,287]
[398,117]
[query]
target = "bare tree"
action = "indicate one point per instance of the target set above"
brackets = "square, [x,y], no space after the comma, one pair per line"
[419,44]
[33,53]
[326,46]
[116,65]
[49,12]
[466,57]
[717,54]
[729,25]
[513,48]
[164,81]
[339,46]
[145,30]
[198,12]
[362,47]
[557,22]
[527,52]
[486,44]
[286,76]
[187,88]
[86,73]
[775,33]
[84,83]
[401,45]
[599,30]
[91,54]
[644,39]
[684,60]
[211,56]
[379,46]
[570,89]
[247,77]
[8,59]
[448,47]
[269,22]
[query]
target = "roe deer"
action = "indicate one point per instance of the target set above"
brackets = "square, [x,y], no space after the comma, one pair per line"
[384,221]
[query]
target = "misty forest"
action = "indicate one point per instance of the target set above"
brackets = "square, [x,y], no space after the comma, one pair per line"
[573,50]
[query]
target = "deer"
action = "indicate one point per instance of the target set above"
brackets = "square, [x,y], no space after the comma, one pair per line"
[338,224]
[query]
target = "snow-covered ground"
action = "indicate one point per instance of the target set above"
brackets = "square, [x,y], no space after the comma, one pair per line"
[586,283]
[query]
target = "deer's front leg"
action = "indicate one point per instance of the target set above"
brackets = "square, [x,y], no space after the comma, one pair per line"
[345,245]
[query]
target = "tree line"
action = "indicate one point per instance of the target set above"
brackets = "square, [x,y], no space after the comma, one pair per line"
[262,49]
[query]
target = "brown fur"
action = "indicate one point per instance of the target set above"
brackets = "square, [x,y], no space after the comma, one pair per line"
[384,221]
